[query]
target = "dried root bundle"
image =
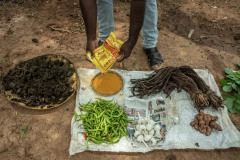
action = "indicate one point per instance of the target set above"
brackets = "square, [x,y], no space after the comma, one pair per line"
[153,84]
[214,100]
[183,78]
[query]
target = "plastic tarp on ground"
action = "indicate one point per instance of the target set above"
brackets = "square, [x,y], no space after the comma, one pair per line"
[180,135]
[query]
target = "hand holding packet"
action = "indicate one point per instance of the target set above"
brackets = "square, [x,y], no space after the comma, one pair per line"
[106,54]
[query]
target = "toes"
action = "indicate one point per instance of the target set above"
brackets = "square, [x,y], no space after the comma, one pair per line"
[157,66]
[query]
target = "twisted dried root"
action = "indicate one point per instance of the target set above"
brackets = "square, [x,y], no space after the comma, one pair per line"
[214,100]
[183,78]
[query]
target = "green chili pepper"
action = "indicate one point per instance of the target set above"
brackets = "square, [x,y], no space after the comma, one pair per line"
[86,143]
[95,140]
[103,120]
[100,114]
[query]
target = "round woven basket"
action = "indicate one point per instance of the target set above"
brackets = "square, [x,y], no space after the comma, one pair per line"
[72,80]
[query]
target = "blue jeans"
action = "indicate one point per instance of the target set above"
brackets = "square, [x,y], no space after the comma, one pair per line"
[149,29]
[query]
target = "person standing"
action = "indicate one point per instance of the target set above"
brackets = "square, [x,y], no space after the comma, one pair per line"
[143,14]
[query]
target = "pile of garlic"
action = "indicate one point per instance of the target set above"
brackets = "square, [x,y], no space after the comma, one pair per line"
[147,131]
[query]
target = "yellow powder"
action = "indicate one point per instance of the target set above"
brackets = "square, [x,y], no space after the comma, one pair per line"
[107,83]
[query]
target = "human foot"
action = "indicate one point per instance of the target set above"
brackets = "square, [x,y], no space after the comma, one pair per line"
[154,57]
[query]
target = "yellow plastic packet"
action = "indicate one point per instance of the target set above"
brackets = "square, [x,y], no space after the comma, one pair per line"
[106,54]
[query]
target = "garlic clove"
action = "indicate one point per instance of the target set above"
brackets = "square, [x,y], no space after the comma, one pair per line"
[146,132]
[157,127]
[142,128]
[140,138]
[136,133]
[158,135]
[151,132]
[147,137]
[153,141]
[149,127]
[138,127]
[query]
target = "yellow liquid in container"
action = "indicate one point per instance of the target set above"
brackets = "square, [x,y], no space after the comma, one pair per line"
[107,83]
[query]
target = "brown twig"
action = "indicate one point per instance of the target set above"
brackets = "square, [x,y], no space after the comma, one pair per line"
[58,29]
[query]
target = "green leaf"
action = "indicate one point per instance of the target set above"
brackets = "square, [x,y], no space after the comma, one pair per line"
[236,105]
[229,103]
[238,64]
[235,79]
[236,96]
[223,82]
[238,82]
[232,78]
[229,97]
[235,73]
[233,110]
[235,87]
[229,106]
[228,71]
[232,106]
[227,88]
[238,75]
[238,102]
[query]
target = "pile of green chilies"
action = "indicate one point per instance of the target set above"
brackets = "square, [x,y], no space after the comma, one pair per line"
[104,121]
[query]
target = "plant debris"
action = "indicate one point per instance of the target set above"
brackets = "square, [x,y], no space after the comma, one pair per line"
[181,78]
[35,40]
[41,82]
[23,133]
